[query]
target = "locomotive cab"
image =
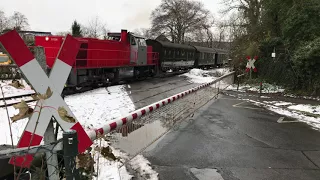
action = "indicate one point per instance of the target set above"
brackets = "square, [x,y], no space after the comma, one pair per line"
[138,49]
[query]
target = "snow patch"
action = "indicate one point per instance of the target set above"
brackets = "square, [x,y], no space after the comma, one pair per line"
[312,121]
[266,88]
[265,97]
[205,76]
[282,103]
[17,127]
[107,169]
[306,108]
[94,108]
[12,91]
[143,166]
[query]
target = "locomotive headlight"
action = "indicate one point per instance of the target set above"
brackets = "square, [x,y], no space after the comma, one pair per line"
[47,38]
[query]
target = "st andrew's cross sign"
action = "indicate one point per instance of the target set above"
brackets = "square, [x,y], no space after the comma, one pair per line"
[38,122]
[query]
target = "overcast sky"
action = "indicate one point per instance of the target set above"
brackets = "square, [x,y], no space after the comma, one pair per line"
[58,15]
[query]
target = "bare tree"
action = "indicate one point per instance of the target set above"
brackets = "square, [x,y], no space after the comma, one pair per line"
[144,32]
[177,18]
[202,37]
[19,21]
[95,29]
[4,23]
[250,11]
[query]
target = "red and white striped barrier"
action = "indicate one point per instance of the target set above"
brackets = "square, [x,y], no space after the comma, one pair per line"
[38,123]
[118,123]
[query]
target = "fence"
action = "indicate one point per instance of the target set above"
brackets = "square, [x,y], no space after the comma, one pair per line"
[168,111]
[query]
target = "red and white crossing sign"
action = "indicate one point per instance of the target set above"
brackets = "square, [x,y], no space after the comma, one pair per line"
[250,64]
[38,123]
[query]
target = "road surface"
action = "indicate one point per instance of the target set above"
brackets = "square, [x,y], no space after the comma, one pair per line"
[245,142]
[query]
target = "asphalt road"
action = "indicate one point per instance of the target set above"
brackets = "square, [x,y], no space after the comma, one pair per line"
[243,142]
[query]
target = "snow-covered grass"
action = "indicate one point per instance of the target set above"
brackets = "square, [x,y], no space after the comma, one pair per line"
[11,91]
[92,109]
[107,169]
[266,88]
[143,167]
[17,127]
[205,76]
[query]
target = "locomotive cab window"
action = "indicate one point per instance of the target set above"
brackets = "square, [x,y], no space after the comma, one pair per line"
[133,41]
[142,42]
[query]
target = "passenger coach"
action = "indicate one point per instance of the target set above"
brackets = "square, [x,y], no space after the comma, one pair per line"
[173,56]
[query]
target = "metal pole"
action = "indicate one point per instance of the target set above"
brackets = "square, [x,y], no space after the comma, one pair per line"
[238,79]
[51,157]
[260,88]
[70,149]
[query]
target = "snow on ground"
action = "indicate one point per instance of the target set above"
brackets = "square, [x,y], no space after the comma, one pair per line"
[303,97]
[199,76]
[108,169]
[92,109]
[306,108]
[11,91]
[266,88]
[312,121]
[282,103]
[17,127]
[141,165]
[205,76]
[115,170]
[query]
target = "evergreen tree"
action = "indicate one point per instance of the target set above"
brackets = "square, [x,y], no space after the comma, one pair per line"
[76,29]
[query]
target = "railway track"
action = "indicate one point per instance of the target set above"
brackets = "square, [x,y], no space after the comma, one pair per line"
[11,100]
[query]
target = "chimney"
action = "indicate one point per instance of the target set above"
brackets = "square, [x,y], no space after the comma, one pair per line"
[124,36]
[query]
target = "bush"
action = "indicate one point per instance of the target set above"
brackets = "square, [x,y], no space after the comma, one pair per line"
[275,70]
[307,63]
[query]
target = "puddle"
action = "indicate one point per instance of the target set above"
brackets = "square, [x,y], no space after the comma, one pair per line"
[140,138]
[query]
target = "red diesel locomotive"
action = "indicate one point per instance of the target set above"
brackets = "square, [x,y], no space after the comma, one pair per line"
[100,62]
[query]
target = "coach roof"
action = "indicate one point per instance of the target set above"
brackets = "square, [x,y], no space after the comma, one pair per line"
[205,49]
[176,46]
